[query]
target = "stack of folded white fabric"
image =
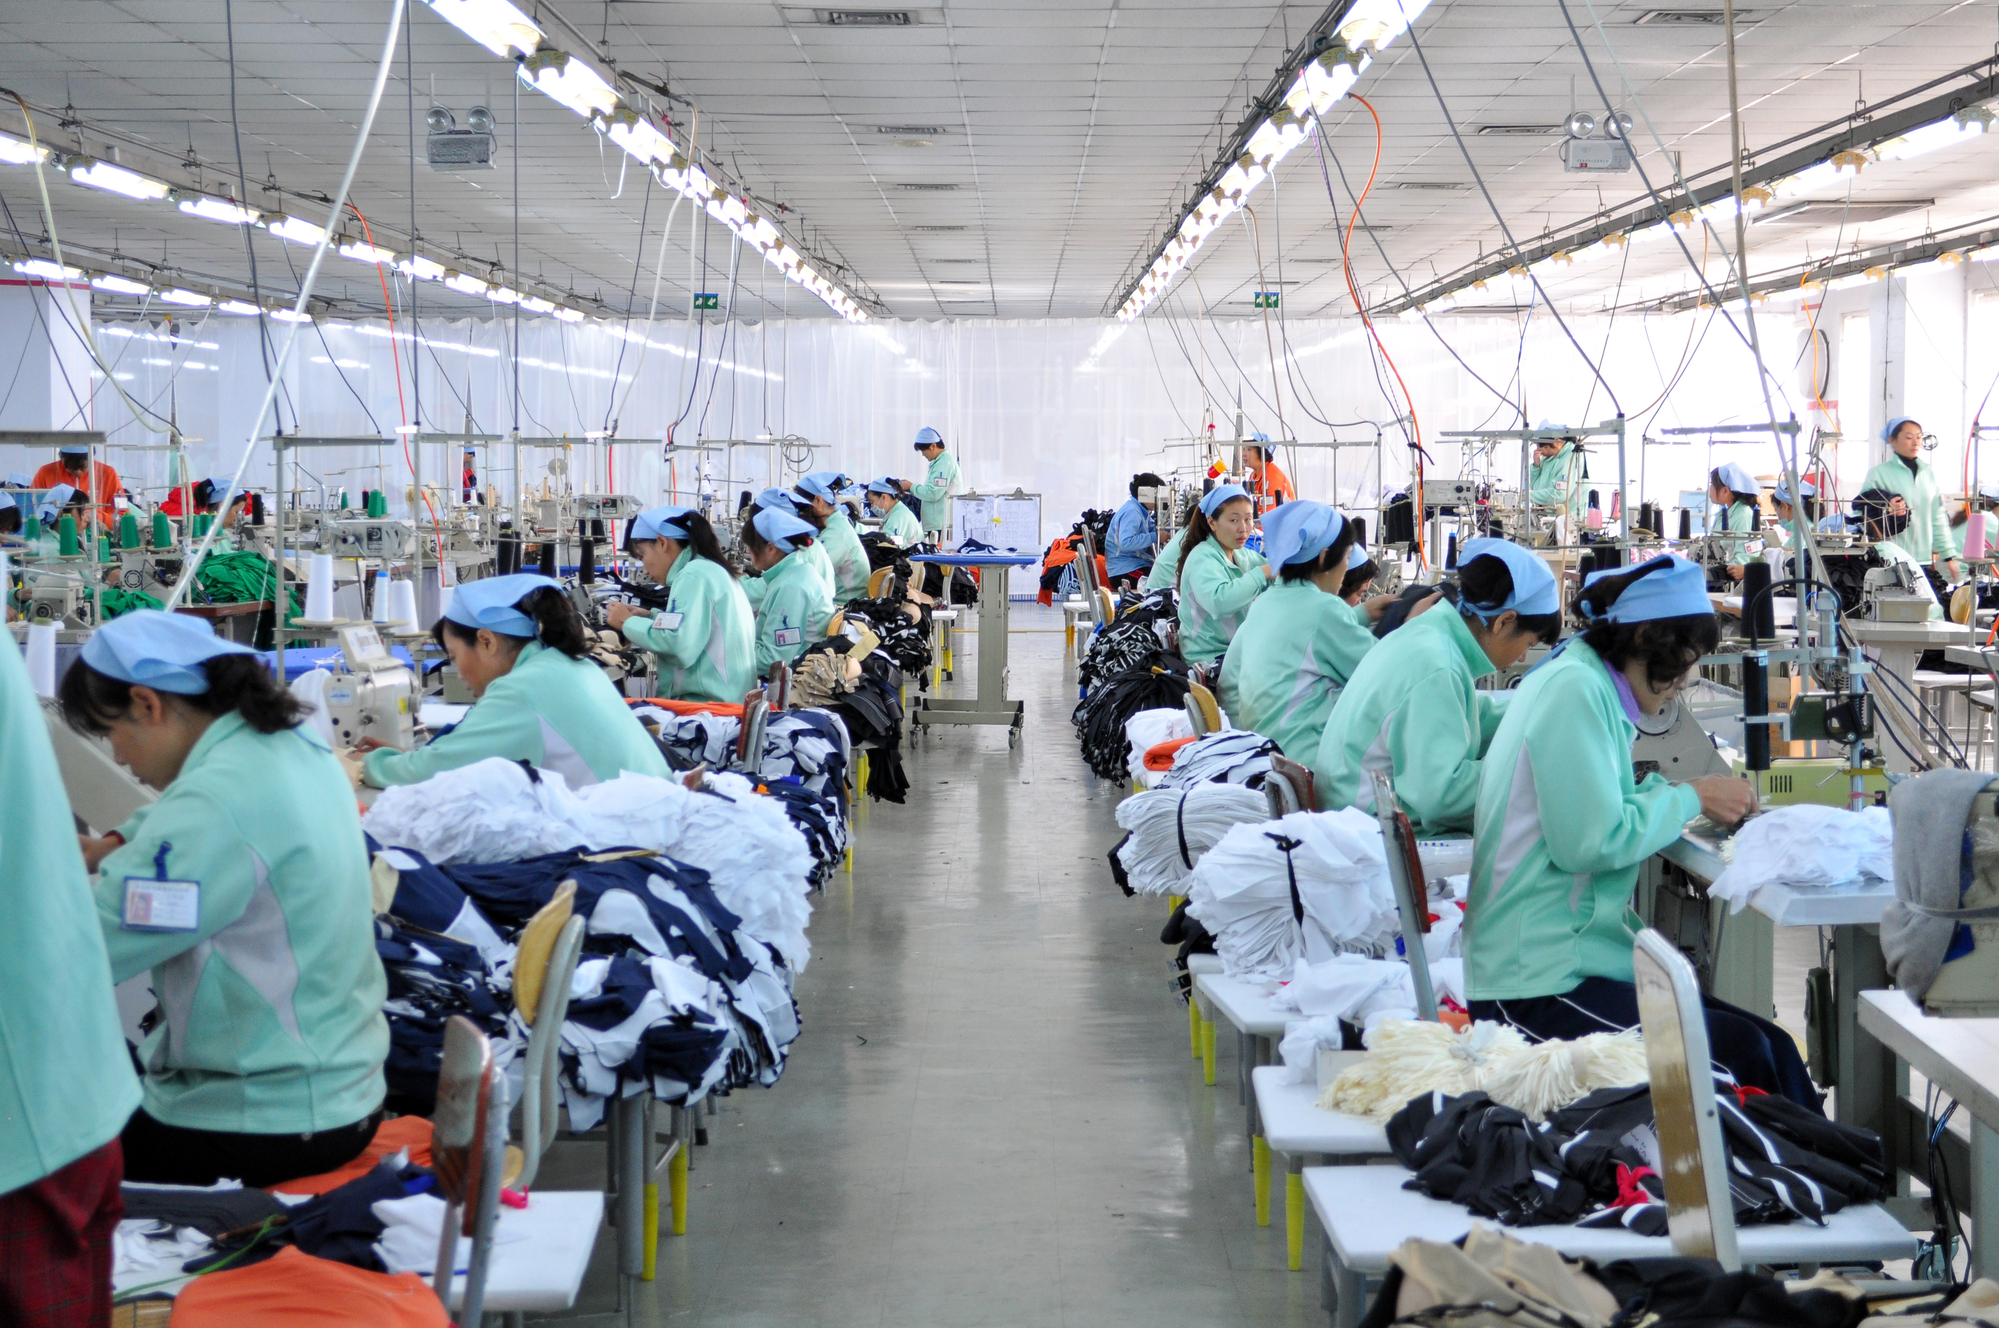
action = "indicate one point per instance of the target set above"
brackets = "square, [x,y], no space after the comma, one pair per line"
[1172,828]
[1807,847]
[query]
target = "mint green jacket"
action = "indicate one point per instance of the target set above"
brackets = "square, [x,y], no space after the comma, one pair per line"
[1215,592]
[273,1004]
[849,560]
[550,710]
[1559,833]
[900,524]
[1546,478]
[813,556]
[66,1082]
[1734,517]
[1928,533]
[705,638]
[1165,571]
[935,491]
[794,613]
[1286,664]
[1412,708]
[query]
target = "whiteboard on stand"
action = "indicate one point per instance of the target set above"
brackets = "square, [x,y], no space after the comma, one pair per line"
[1005,521]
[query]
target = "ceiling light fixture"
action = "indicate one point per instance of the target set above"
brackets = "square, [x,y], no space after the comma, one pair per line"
[18,152]
[296,229]
[418,267]
[362,252]
[185,298]
[284,315]
[47,270]
[240,308]
[565,314]
[465,283]
[494,24]
[114,284]
[569,82]
[115,178]
[225,210]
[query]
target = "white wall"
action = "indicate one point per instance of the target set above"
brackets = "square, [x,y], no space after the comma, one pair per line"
[44,366]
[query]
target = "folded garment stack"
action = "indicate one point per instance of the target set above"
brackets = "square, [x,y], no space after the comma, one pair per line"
[1232,756]
[1167,831]
[1146,730]
[1157,682]
[1310,885]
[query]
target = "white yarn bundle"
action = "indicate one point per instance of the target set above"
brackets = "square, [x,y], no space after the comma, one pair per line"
[1409,1058]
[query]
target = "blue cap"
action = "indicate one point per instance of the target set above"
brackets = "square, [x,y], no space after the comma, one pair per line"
[79,449]
[20,480]
[928,437]
[784,500]
[826,484]
[661,523]
[1678,589]
[1211,501]
[489,603]
[1357,555]
[55,500]
[782,528]
[1533,584]
[1300,531]
[1737,477]
[1783,494]
[160,650]
[884,485]
[1888,429]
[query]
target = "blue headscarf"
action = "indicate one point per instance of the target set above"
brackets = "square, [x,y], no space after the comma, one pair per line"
[928,437]
[1677,589]
[662,523]
[784,500]
[884,485]
[782,528]
[1211,501]
[164,651]
[1299,531]
[54,501]
[489,603]
[1888,429]
[1737,478]
[1783,494]
[827,484]
[1533,584]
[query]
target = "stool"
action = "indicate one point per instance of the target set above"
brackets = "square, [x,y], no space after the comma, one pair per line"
[1076,613]
[942,619]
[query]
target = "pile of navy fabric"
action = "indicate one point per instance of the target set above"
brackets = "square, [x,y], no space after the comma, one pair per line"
[873,714]
[903,640]
[885,552]
[671,993]
[690,740]
[1138,634]
[1155,681]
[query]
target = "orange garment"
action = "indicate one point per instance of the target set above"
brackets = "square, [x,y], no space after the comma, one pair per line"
[727,709]
[1060,554]
[411,1132]
[103,482]
[291,1289]
[1273,483]
[1160,755]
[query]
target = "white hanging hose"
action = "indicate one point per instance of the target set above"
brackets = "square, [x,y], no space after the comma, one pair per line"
[646,340]
[291,335]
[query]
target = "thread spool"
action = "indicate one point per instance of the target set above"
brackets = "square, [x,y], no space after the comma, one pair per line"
[381,614]
[70,546]
[507,555]
[586,562]
[1451,552]
[163,531]
[402,608]
[1755,516]
[42,658]
[128,531]
[378,504]
[319,590]
[1757,609]
[547,564]
[1974,536]
[203,523]
[103,548]
[1686,523]
[256,509]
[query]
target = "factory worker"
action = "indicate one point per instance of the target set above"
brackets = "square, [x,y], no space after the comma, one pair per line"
[705,637]
[1268,483]
[1550,482]
[1788,511]
[898,523]
[815,557]
[1165,573]
[1219,578]
[1875,515]
[1131,545]
[65,1076]
[796,606]
[1918,495]
[1299,642]
[70,467]
[519,645]
[1412,709]
[203,495]
[1561,827]
[820,491]
[245,890]
[1733,496]
[938,485]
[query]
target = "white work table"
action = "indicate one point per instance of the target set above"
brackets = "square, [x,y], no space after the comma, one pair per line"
[1898,645]
[1259,1023]
[542,1262]
[1291,1124]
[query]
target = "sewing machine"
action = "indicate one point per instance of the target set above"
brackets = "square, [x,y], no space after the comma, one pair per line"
[372,695]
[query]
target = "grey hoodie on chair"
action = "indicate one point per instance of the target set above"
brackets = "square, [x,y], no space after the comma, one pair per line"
[1930,812]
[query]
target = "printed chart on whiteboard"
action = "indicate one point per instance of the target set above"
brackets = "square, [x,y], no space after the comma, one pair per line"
[1010,521]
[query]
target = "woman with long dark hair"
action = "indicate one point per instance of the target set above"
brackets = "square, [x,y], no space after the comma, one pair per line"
[244,889]
[796,606]
[705,637]
[1562,825]
[1219,578]
[521,647]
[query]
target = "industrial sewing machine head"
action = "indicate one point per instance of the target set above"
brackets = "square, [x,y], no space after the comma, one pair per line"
[371,694]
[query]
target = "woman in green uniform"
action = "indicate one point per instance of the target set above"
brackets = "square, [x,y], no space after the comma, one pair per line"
[1556,476]
[1927,536]
[1412,710]
[705,637]
[519,645]
[796,607]
[898,522]
[814,557]
[821,491]
[1562,826]
[1219,578]
[1299,642]
[245,890]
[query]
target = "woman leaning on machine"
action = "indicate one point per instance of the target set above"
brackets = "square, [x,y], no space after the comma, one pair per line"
[244,889]
[519,644]
[1562,827]
[705,637]
[1218,578]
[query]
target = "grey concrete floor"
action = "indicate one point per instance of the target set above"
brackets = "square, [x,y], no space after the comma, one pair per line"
[992,1116]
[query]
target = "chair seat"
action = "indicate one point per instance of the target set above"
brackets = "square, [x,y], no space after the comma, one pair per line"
[1293,1123]
[1366,1214]
[943,615]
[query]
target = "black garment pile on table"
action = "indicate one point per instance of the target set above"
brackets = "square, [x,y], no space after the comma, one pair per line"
[1138,633]
[872,712]
[903,640]
[1580,1166]
[432,977]
[885,552]
[1156,681]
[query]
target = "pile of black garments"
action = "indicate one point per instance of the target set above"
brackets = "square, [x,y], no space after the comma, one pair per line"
[904,640]
[1156,680]
[1579,1165]
[1138,634]
[964,587]
[671,993]
[872,712]
[885,552]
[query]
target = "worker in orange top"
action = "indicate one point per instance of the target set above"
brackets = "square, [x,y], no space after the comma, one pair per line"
[68,468]
[1268,484]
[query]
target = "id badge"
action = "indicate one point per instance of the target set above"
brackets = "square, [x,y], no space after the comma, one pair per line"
[152,905]
[789,636]
[668,622]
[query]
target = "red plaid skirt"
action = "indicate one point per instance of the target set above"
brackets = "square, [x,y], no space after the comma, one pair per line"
[55,1245]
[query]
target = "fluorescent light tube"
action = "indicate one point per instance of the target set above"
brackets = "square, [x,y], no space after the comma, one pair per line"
[110,176]
[225,210]
[569,81]
[20,152]
[185,297]
[240,308]
[290,316]
[46,270]
[421,268]
[296,229]
[465,283]
[362,252]
[494,24]
[565,314]
[117,285]
[534,304]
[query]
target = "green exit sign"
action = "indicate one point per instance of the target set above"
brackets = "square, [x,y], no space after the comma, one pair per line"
[708,301]
[1267,299]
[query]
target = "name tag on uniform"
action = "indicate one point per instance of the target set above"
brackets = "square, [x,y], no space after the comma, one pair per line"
[161,905]
[789,636]
[668,622]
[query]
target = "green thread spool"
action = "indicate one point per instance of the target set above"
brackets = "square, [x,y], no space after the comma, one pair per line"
[344,504]
[202,523]
[378,504]
[128,531]
[103,548]
[163,531]
[70,546]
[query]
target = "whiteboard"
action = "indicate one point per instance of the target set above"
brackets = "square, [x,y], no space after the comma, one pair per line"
[1011,521]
